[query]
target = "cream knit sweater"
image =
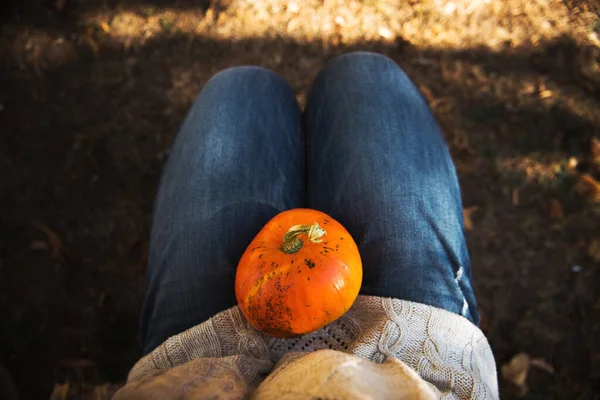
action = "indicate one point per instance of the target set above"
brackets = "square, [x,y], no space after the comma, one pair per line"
[382,347]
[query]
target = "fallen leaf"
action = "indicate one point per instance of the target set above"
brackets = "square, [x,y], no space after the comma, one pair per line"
[556,210]
[588,188]
[443,105]
[542,364]
[593,250]
[515,197]
[105,27]
[516,370]
[60,391]
[57,249]
[210,15]
[467,212]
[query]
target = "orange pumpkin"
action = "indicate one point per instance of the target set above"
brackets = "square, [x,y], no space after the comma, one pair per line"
[301,272]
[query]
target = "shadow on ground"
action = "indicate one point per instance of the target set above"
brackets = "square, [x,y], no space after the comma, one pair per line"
[84,136]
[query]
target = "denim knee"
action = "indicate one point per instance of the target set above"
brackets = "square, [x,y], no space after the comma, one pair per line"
[236,78]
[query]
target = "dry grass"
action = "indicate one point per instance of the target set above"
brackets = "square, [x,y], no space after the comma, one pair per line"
[445,24]
[514,83]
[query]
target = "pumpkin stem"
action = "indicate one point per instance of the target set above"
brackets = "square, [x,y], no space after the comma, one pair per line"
[291,241]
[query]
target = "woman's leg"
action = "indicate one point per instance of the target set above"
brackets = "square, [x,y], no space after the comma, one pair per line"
[377,162]
[237,161]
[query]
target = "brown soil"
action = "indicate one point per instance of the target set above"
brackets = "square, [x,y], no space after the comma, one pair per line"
[92,92]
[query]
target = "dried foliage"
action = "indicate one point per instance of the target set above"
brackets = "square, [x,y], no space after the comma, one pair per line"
[93,92]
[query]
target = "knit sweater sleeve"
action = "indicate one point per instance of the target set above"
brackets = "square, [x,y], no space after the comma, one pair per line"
[447,351]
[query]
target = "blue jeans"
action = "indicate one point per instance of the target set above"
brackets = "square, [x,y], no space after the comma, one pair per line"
[366,151]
